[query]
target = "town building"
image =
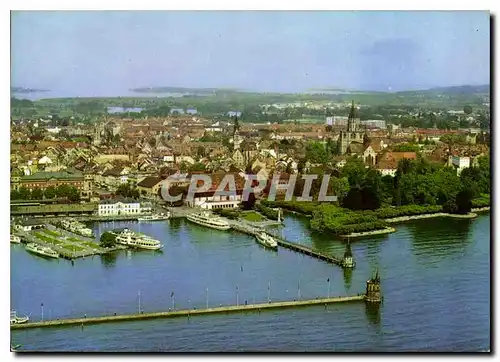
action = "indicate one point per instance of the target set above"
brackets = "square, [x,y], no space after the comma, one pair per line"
[113,207]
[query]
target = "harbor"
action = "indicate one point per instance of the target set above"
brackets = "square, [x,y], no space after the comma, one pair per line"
[231,267]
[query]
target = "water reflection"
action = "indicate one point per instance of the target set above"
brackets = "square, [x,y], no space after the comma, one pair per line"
[347,279]
[372,311]
[109,260]
[440,237]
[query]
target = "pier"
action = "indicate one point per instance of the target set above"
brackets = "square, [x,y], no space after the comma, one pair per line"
[189,312]
[292,246]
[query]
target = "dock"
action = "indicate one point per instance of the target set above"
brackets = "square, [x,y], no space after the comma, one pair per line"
[287,244]
[308,251]
[189,312]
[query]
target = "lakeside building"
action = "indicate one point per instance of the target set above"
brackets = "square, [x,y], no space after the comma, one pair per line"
[208,200]
[113,207]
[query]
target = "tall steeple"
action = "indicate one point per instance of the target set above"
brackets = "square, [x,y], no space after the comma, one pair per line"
[351,126]
[236,125]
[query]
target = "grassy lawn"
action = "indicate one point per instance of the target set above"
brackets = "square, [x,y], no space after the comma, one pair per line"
[252,216]
[46,238]
[91,244]
[51,233]
[72,247]
[76,240]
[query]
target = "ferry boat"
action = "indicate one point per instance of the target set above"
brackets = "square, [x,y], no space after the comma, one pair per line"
[76,227]
[15,239]
[14,319]
[136,240]
[210,220]
[267,240]
[42,250]
[155,217]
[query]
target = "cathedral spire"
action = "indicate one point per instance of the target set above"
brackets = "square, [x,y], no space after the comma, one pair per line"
[350,119]
[236,125]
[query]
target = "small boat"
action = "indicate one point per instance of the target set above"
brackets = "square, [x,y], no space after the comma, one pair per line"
[267,240]
[42,250]
[155,217]
[210,220]
[137,240]
[14,347]
[15,239]
[15,319]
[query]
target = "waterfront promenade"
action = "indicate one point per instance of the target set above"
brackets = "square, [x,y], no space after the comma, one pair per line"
[189,312]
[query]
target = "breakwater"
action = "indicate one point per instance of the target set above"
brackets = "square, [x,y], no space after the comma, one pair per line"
[189,312]
[470,215]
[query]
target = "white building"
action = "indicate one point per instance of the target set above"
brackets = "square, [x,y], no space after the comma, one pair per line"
[376,123]
[460,163]
[215,202]
[337,121]
[123,207]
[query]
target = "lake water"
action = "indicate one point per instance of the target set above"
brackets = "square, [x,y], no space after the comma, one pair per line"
[435,281]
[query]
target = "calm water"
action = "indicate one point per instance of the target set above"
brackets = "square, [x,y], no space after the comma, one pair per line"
[435,280]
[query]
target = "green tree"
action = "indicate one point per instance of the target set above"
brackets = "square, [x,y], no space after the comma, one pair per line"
[355,171]
[340,187]
[316,153]
[50,192]
[464,201]
[36,194]
[24,193]
[467,109]
[73,194]
[15,195]
[108,240]
[63,191]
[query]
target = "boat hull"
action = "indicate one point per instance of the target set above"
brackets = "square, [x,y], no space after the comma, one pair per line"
[266,243]
[217,227]
[41,253]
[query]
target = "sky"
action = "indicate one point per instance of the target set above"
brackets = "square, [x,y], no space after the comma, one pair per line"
[109,52]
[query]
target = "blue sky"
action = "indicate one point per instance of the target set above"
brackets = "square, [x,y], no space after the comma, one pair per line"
[110,52]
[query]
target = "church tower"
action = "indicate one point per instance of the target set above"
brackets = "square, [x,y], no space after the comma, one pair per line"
[236,134]
[353,132]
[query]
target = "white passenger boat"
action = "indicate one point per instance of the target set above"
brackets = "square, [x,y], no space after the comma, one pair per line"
[42,250]
[267,240]
[15,239]
[15,319]
[155,217]
[210,220]
[137,240]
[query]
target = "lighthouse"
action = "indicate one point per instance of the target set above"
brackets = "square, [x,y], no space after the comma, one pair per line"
[373,292]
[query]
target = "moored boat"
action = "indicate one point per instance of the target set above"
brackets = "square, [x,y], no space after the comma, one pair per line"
[42,250]
[210,220]
[15,319]
[267,240]
[137,240]
[15,239]
[154,217]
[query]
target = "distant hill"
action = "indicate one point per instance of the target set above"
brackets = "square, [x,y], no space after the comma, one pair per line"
[455,90]
[181,90]
[26,90]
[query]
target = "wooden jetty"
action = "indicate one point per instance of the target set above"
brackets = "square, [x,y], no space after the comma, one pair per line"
[188,312]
